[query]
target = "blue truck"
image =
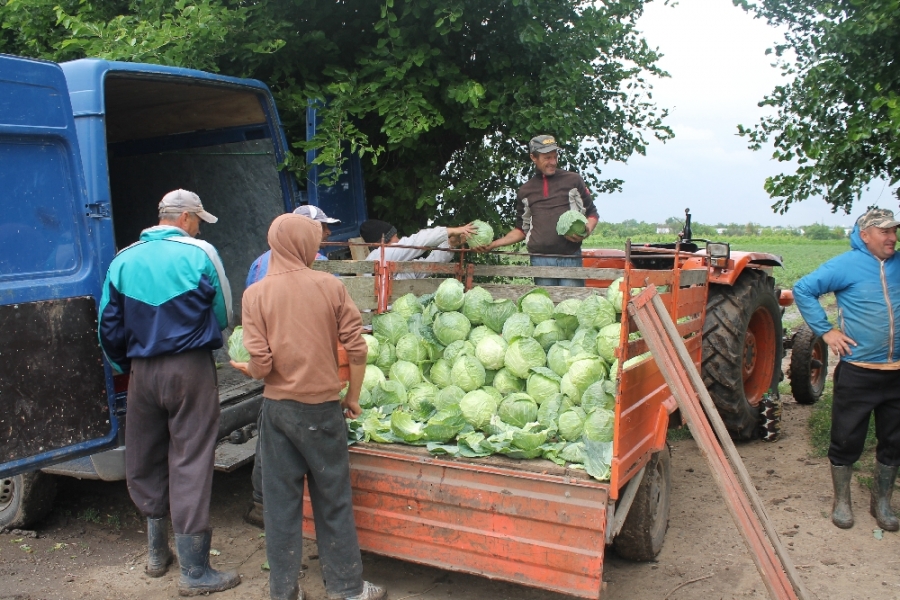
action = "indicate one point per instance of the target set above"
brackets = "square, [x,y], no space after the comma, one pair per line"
[87,149]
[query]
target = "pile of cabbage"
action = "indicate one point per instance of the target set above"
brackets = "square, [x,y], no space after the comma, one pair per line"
[466,375]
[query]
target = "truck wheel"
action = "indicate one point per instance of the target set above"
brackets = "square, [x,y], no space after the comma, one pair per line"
[742,349]
[809,365]
[25,499]
[645,526]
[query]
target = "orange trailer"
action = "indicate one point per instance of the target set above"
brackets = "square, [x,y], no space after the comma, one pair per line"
[530,522]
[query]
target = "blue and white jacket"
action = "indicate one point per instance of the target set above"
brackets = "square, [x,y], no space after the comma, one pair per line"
[164,294]
[868,298]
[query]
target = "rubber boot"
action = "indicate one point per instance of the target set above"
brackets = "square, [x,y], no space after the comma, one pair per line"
[159,555]
[842,511]
[254,516]
[882,489]
[197,577]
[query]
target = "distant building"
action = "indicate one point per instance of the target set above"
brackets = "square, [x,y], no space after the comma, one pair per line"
[720,230]
[848,231]
[663,229]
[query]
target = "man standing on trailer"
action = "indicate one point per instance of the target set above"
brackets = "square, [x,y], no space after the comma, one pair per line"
[165,303]
[866,284]
[539,204]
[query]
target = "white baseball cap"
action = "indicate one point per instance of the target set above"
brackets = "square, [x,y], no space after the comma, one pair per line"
[179,201]
[315,213]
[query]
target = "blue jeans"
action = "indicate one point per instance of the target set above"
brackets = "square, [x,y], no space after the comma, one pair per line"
[553,261]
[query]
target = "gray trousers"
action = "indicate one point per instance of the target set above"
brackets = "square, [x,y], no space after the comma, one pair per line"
[308,441]
[170,437]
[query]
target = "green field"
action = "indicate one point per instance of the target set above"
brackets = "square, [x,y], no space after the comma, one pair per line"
[799,256]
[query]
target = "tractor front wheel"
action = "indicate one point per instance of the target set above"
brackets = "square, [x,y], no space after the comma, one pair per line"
[644,530]
[742,349]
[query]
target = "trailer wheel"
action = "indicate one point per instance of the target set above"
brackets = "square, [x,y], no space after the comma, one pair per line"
[809,365]
[645,526]
[742,349]
[25,499]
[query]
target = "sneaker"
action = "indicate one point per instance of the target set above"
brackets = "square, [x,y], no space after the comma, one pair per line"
[370,591]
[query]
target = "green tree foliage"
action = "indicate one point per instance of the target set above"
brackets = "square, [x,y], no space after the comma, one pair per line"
[439,96]
[838,117]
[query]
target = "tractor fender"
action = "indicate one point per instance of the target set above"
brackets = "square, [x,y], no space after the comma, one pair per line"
[743,260]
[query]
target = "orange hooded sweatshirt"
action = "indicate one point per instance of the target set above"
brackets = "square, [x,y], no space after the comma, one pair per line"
[294,317]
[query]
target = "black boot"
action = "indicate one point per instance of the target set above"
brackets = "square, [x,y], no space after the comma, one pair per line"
[197,577]
[254,515]
[159,555]
[842,511]
[882,489]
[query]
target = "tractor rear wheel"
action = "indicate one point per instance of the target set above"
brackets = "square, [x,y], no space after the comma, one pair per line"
[644,530]
[742,349]
[809,365]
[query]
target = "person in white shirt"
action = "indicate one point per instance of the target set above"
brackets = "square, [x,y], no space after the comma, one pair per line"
[375,232]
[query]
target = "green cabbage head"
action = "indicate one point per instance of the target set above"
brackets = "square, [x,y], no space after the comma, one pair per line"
[388,392]
[406,428]
[407,305]
[507,383]
[484,234]
[372,343]
[558,357]
[571,424]
[454,350]
[598,427]
[585,369]
[518,409]
[450,295]
[615,295]
[596,312]
[467,373]
[449,396]
[571,222]
[542,384]
[373,377]
[491,351]
[440,373]
[387,356]
[474,302]
[608,341]
[477,334]
[406,373]
[548,333]
[518,325]
[444,425]
[450,327]
[537,305]
[477,408]
[523,354]
[390,326]
[495,314]
[236,349]
[596,396]
[566,315]
[412,348]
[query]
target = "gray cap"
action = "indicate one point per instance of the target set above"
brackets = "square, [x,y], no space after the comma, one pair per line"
[878,217]
[179,201]
[541,144]
[315,213]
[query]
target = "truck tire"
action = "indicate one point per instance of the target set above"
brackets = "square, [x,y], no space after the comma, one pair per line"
[25,499]
[644,531]
[742,349]
[809,365]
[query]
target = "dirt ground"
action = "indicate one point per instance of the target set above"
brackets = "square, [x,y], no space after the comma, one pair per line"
[93,543]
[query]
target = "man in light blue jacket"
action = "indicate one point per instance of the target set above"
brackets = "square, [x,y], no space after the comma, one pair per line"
[866,284]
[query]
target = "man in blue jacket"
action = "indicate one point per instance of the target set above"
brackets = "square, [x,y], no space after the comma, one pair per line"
[866,284]
[165,303]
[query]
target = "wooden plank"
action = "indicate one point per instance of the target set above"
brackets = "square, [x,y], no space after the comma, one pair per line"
[345,267]
[691,277]
[429,268]
[772,561]
[362,291]
[553,272]
[557,293]
[401,287]
[358,249]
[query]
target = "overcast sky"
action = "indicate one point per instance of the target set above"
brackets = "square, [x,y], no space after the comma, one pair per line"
[715,54]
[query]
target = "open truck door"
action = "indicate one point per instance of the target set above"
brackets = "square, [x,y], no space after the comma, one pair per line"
[57,394]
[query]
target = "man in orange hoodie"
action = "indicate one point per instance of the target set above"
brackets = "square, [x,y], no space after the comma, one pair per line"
[303,433]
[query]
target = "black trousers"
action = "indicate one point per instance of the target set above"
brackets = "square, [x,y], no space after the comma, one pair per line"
[858,392]
[308,442]
[170,437]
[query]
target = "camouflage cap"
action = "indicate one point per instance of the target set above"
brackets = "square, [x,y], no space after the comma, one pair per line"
[878,217]
[541,144]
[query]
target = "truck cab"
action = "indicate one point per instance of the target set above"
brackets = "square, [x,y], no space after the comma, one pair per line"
[87,149]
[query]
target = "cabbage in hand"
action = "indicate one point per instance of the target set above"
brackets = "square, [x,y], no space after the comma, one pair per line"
[572,222]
